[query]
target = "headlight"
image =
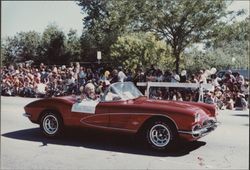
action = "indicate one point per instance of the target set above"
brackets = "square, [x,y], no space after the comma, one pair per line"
[197,117]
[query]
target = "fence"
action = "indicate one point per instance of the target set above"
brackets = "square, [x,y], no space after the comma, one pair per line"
[202,87]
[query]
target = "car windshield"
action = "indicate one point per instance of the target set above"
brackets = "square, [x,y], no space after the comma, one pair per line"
[121,91]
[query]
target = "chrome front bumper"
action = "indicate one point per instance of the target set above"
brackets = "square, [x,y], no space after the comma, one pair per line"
[199,131]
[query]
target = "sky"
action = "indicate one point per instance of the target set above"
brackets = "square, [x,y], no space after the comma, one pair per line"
[17,16]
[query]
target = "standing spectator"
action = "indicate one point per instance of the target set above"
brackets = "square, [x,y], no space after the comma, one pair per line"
[105,76]
[202,77]
[82,75]
[183,77]
[215,80]
[175,78]
[159,75]
[114,77]
[89,75]
[129,74]
[152,70]
[167,76]
[140,77]
[193,79]
[121,75]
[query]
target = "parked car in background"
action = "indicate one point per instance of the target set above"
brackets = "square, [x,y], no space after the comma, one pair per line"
[122,108]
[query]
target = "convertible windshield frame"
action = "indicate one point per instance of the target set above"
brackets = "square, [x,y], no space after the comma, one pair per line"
[123,91]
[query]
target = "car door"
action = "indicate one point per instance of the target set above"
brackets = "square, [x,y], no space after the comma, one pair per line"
[119,117]
[89,114]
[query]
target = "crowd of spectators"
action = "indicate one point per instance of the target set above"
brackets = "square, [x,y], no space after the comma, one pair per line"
[228,92]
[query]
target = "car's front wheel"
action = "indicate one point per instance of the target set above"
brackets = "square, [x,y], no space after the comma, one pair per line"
[160,135]
[51,124]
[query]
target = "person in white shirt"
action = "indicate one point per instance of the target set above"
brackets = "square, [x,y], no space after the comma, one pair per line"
[121,75]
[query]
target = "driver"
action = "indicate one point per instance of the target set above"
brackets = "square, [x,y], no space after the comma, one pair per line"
[90,92]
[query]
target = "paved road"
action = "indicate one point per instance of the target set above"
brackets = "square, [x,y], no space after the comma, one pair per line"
[24,147]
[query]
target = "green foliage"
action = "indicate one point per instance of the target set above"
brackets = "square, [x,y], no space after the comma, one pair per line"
[52,48]
[229,49]
[9,50]
[182,23]
[220,58]
[123,31]
[236,31]
[140,49]
[73,46]
[21,47]
[105,21]
[179,23]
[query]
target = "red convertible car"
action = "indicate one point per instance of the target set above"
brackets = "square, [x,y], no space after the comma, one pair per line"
[123,108]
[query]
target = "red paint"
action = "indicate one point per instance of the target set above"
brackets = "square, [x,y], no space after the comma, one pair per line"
[124,116]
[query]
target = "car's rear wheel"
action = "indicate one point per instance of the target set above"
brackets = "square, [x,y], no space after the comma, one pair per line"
[160,135]
[51,124]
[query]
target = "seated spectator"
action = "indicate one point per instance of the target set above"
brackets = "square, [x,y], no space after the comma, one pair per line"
[245,90]
[239,80]
[177,96]
[229,81]
[229,103]
[210,99]
[240,102]
[40,88]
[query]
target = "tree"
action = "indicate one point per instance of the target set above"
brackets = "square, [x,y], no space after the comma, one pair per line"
[72,46]
[52,46]
[104,22]
[22,47]
[140,49]
[179,23]
[236,31]
[182,23]
[9,50]
[28,43]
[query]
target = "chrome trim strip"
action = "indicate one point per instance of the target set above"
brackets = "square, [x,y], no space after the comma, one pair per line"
[26,115]
[185,132]
[109,128]
[151,114]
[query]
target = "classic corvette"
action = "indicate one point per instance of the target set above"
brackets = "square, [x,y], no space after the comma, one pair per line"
[123,108]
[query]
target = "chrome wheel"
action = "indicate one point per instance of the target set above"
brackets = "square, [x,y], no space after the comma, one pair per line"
[159,135]
[50,124]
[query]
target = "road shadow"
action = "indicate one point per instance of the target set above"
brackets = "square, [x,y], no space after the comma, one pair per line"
[103,141]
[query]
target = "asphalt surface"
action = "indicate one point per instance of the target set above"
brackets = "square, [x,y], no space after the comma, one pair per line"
[24,147]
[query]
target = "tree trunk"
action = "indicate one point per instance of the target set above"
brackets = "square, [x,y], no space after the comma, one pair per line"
[176,54]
